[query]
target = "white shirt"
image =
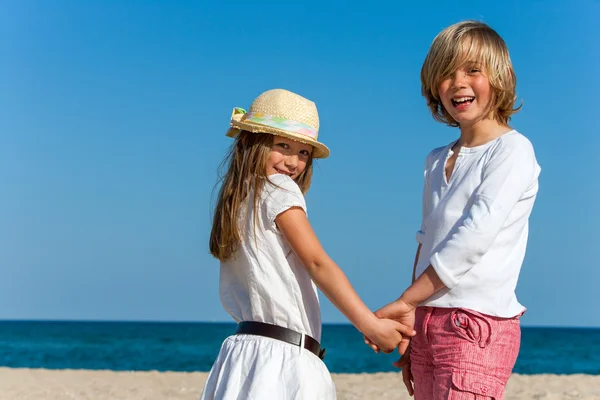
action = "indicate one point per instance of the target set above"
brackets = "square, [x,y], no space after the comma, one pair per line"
[475,227]
[264,281]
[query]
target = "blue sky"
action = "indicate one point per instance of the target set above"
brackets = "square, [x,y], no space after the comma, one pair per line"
[112,122]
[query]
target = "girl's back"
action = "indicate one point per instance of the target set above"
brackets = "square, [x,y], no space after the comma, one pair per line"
[264,281]
[270,257]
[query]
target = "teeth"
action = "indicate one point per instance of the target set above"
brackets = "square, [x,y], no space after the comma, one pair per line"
[462,99]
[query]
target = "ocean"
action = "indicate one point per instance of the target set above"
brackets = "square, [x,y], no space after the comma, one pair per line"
[144,346]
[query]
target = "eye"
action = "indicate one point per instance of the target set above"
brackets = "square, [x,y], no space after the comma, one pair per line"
[474,70]
[305,153]
[283,145]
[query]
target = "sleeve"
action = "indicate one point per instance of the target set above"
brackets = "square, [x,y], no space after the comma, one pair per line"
[282,193]
[509,173]
[424,207]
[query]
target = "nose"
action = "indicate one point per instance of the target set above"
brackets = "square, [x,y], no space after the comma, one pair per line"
[459,80]
[291,162]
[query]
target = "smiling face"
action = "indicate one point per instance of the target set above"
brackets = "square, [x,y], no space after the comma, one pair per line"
[466,95]
[468,74]
[288,157]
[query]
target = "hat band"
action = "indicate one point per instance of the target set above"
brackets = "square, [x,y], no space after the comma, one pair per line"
[281,123]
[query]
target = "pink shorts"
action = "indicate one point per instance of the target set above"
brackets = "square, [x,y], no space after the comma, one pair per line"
[461,354]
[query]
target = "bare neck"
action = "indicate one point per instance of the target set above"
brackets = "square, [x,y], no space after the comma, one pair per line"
[481,133]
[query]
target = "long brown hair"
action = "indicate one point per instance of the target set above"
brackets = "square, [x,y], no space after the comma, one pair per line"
[246,165]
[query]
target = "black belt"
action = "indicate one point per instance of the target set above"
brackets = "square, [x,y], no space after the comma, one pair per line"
[280,333]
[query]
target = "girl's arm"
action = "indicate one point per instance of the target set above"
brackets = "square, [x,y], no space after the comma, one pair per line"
[332,281]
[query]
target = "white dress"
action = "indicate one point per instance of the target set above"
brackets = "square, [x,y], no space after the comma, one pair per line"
[264,281]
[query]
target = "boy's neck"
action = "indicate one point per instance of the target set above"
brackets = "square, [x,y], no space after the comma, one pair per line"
[481,132]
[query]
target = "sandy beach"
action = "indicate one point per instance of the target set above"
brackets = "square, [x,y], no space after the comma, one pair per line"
[25,384]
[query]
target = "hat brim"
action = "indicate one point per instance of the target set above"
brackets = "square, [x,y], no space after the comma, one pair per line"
[320,150]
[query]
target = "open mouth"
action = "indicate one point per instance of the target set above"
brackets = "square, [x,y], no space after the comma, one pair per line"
[459,102]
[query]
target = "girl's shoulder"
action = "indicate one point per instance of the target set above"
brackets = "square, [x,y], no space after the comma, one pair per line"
[279,182]
[281,193]
[281,188]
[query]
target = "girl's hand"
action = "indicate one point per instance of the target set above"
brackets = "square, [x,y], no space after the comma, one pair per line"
[386,334]
[371,344]
[402,312]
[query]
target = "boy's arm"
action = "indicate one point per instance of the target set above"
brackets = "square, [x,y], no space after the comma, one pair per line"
[414,274]
[424,287]
[386,312]
[505,179]
[403,309]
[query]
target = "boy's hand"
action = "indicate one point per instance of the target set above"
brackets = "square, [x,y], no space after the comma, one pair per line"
[407,378]
[404,359]
[402,312]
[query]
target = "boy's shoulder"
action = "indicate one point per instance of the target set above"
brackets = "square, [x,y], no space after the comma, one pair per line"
[436,154]
[515,141]
[437,151]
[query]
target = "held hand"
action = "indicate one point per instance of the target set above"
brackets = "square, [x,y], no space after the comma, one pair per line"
[371,344]
[402,312]
[386,334]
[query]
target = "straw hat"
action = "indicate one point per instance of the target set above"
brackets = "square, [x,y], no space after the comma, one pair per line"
[283,113]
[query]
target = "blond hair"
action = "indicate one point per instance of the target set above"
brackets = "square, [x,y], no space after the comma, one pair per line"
[464,44]
[246,165]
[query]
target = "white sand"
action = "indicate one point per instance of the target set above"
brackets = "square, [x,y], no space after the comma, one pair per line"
[25,384]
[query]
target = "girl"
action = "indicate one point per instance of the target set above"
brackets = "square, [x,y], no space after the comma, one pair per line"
[270,258]
[479,192]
